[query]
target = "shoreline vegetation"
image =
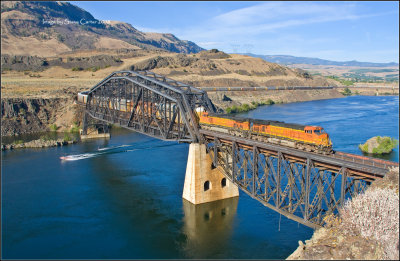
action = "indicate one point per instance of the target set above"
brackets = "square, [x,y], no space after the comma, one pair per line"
[50,139]
[39,143]
[248,107]
[379,145]
[347,92]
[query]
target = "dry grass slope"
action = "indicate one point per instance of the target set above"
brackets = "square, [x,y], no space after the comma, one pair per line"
[208,68]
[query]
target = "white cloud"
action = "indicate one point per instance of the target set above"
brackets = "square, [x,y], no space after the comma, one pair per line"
[270,11]
[282,28]
[271,16]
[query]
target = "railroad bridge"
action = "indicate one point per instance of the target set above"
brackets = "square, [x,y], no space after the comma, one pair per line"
[301,185]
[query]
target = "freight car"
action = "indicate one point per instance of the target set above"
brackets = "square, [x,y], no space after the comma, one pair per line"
[147,109]
[303,137]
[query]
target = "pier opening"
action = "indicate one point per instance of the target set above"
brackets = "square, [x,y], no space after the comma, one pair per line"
[223,182]
[206,185]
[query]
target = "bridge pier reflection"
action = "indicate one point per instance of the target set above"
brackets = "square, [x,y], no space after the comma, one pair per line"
[208,226]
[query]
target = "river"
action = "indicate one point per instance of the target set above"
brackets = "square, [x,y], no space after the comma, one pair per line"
[122,198]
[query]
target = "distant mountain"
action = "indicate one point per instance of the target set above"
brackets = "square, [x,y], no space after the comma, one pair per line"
[49,28]
[288,59]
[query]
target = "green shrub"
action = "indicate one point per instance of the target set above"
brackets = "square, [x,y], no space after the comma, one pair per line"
[234,109]
[245,107]
[53,127]
[77,69]
[67,137]
[45,137]
[270,102]
[74,128]
[346,82]
[363,147]
[385,145]
[346,92]
[18,142]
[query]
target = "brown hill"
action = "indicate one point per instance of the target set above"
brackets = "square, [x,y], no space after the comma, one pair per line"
[76,71]
[214,68]
[52,28]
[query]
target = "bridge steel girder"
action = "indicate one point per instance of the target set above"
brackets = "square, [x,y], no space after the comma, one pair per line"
[146,103]
[301,188]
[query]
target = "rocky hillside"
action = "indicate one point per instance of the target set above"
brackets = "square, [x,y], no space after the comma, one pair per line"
[28,115]
[366,229]
[30,76]
[52,28]
[215,68]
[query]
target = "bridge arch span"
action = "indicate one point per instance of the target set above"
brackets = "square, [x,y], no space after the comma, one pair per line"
[149,104]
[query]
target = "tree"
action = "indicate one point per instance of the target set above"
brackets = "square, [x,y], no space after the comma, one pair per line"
[346,92]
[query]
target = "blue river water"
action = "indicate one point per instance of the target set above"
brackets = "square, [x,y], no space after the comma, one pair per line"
[122,198]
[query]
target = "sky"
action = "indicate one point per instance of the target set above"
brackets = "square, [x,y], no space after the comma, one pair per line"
[366,31]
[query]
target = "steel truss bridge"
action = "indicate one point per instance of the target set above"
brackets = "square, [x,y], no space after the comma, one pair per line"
[302,186]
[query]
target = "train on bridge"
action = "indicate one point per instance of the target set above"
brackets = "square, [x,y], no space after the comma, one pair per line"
[303,137]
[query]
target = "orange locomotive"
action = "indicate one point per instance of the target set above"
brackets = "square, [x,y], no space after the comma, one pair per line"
[309,138]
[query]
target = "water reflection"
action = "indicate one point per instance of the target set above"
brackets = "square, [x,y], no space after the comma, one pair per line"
[208,227]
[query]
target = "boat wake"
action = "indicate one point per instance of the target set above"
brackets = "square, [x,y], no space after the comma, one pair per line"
[113,147]
[78,156]
[111,150]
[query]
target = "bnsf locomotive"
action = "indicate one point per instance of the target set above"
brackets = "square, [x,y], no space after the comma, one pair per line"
[308,138]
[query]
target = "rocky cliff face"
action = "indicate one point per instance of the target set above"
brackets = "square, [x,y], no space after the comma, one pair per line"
[35,63]
[20,116]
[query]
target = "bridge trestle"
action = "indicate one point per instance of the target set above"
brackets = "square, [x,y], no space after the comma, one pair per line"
[298,188]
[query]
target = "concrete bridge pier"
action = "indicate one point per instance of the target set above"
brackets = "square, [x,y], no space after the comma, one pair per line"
[202,182]
[94,130]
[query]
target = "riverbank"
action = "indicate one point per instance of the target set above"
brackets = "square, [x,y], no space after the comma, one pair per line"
[229,99]
[370,90]
[40,143]
[366,233]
